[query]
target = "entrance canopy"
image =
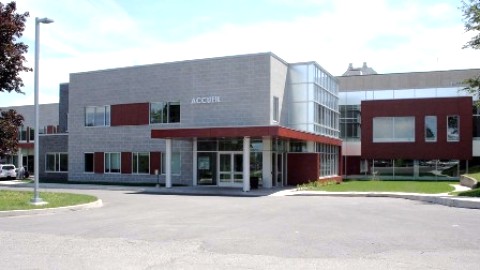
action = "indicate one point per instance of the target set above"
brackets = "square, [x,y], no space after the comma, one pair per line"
[259,131]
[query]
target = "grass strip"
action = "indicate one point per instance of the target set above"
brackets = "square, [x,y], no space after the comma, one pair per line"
[426,187]
[20,200]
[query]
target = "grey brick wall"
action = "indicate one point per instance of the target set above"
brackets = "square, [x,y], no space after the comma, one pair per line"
[54,143]
[48,114]
[243,83]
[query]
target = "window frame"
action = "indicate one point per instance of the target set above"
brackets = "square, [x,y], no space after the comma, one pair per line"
[110,163]
[57,160]
[90,115]
[448,128]
[395,128]
[166,112]
[136,164]
[93,162]
[435,132]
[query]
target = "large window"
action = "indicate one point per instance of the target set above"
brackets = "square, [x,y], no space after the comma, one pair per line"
[56,162]
[97,116]
[141,163]
[176,163]
[112,162]
[350,120]
[453,128]
[89,162]
[394,129]
[430,128]
[329,157]
[165,112]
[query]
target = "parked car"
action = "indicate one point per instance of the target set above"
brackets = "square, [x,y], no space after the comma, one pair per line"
[8,171]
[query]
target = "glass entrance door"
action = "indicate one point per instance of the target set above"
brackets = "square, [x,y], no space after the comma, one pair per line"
[230,169]
[277,168]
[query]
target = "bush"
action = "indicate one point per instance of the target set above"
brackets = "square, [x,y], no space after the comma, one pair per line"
[470,193]
[316,184]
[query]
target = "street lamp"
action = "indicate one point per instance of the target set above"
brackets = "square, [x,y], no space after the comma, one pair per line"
[36,200]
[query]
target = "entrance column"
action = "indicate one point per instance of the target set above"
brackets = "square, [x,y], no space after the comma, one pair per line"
[194,173]
[168,163]
[267,162]
[246,164]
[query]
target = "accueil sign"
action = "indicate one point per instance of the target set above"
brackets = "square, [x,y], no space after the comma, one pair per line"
[200,100]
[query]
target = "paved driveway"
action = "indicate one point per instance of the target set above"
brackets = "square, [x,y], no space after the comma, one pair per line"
[148,231]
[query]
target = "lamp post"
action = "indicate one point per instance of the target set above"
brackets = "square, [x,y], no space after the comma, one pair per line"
[36,200]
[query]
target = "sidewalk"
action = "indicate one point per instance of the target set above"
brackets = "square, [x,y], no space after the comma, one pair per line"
[442,199]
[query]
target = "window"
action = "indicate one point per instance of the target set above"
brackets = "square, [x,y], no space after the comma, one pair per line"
[89,162]
[453,128]
[31,136]
[112,162]
[430,128]
[350,120]
[141,163]
[276,109]
[164,112]
[394,129]
[56,162]
[176,168]
[97,116]
[22,133]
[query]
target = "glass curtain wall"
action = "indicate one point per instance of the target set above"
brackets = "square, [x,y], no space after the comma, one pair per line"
[314,100]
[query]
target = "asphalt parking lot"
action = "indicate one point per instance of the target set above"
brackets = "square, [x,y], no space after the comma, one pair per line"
[134,230]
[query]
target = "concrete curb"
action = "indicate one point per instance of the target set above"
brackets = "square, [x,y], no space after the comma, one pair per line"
[96,204]
[441,199]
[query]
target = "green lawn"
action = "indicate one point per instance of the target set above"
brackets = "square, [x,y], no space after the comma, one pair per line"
[384,186]
[20,200]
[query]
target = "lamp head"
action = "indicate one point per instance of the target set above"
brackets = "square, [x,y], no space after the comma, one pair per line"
[44,20]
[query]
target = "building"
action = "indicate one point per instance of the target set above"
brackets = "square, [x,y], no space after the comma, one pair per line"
[248,120]
[48,125]
[408,125]
[223,121]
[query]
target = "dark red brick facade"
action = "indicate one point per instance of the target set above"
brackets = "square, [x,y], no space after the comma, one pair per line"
[419,108]
[130,114]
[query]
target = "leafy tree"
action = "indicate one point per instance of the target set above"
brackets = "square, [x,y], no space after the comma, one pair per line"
[12,52]
[12,58]
[9,122]
[471,17]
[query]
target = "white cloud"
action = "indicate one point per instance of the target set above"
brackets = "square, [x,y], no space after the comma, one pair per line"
[415,37]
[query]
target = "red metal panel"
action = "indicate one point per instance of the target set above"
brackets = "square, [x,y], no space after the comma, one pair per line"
[99,158]
[352,164]
[155,158]
[274,131]
[126,162]
[26,145]
[419,108]
[303,167]
[130,114]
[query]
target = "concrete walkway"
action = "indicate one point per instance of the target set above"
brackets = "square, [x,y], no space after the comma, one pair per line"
[442,199]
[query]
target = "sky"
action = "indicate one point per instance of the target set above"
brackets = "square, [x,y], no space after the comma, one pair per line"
[391,36]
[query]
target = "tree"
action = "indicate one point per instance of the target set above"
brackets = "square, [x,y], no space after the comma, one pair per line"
[12,52]
[10,121]
[471,17]
[12,58]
